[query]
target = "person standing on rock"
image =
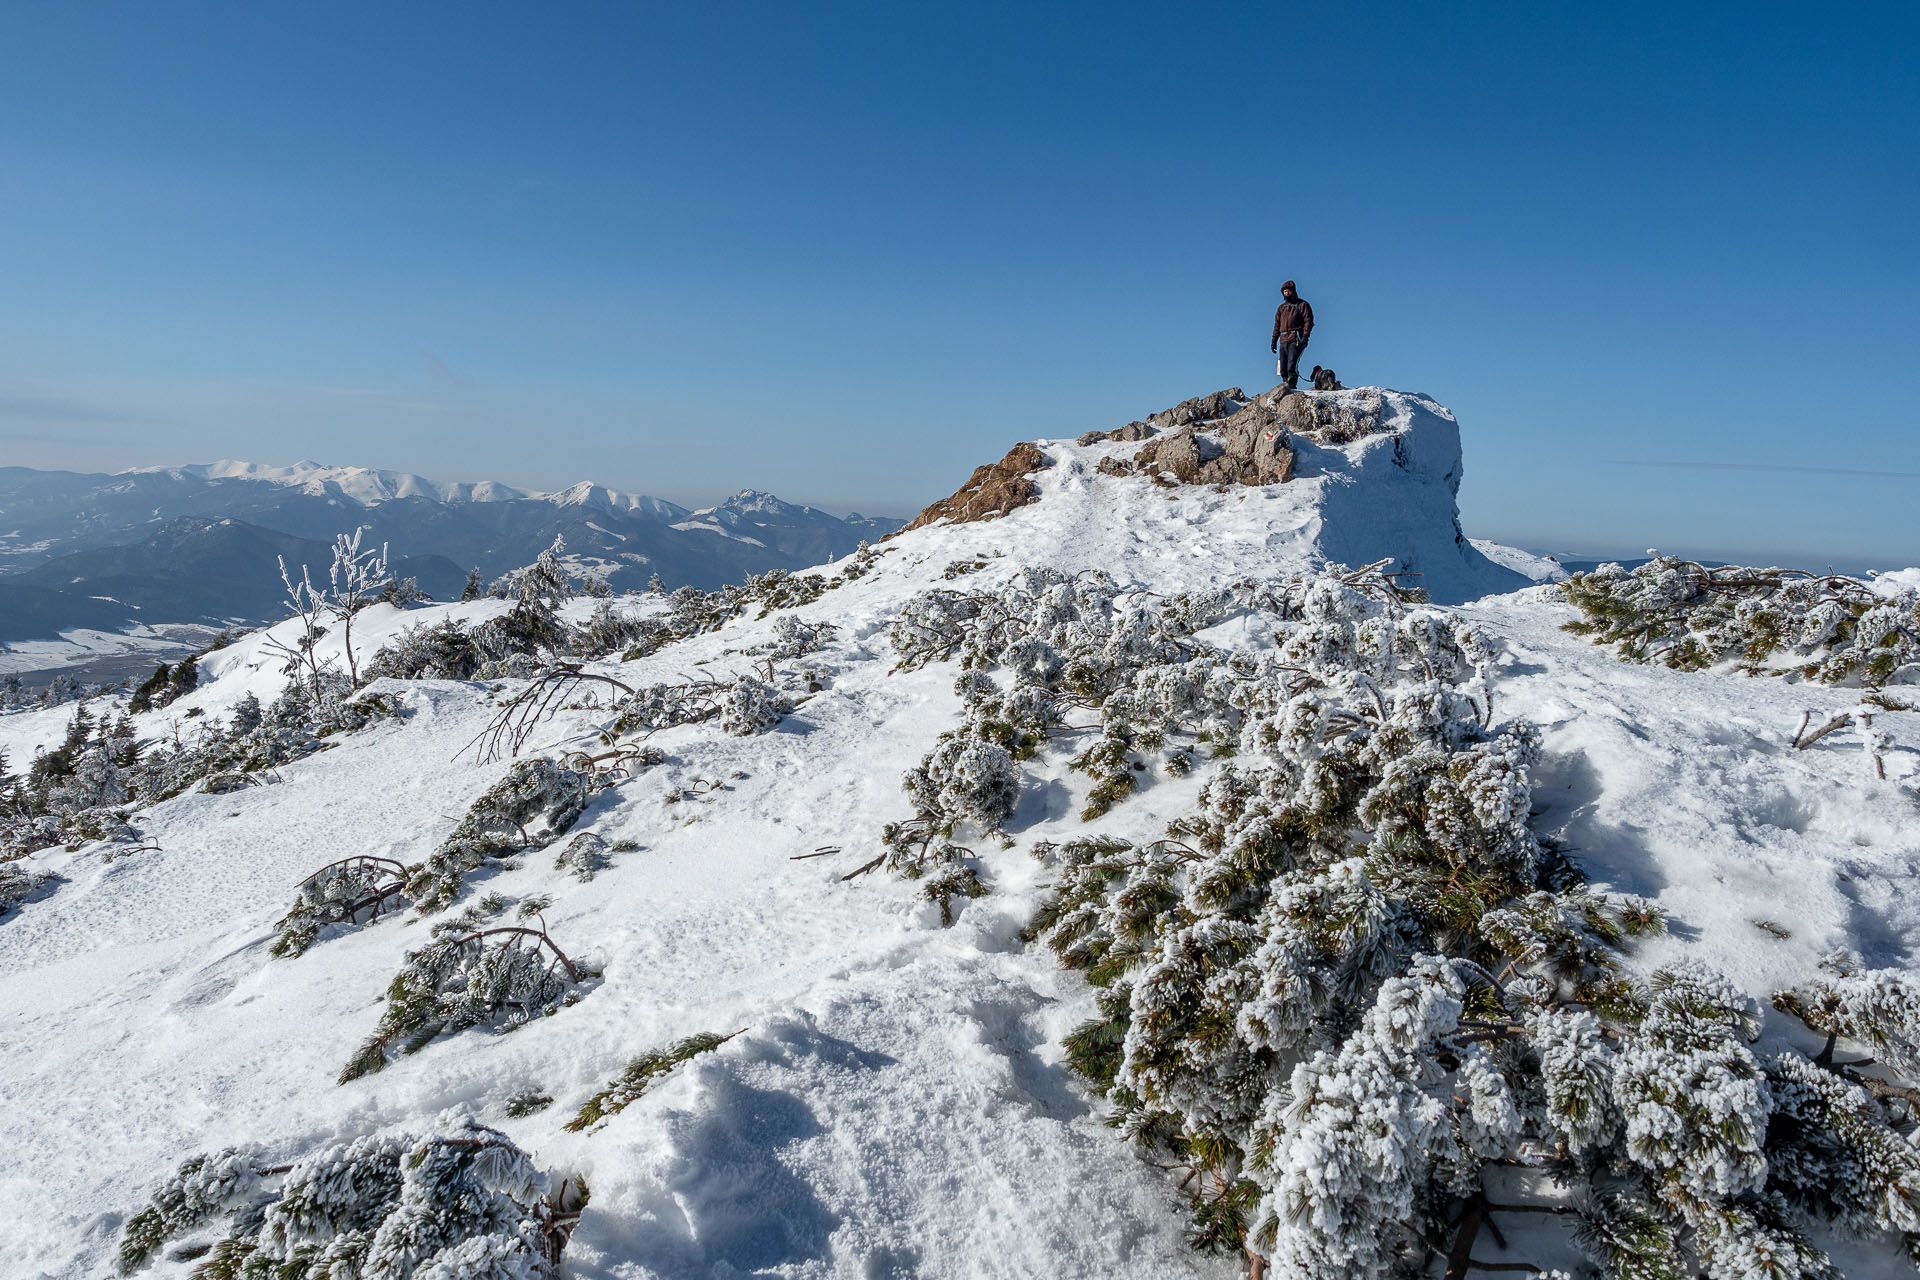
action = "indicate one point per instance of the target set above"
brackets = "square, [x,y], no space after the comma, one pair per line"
[1292,326]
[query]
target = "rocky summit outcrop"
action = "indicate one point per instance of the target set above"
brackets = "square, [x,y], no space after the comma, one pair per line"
[1225,438]
[992,490]
[1229,438]
[1266,483]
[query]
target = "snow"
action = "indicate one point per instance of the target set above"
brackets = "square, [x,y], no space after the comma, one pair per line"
[896,1101]
[83,645]
[369,486]
[1538,568]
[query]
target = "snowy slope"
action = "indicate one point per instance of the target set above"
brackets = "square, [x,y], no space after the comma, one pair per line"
[895,1104]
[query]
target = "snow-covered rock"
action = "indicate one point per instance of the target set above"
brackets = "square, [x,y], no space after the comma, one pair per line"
[1390,494]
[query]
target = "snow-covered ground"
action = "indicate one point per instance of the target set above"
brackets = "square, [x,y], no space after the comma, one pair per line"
[895,1103]
[90,654]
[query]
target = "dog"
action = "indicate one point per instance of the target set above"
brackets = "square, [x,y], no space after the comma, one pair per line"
[1325,380]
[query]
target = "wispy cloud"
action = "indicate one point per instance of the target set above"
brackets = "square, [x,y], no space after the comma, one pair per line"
[61,409]
[438,368]
[1662,464]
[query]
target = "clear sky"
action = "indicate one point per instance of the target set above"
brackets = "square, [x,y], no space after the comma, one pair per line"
[1661,260]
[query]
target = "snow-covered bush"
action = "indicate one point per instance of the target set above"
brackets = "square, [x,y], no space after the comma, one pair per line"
[1351,983]
[743,706]
[460,1203]
[1878,1009]
[74,792]
[165,685]
[444,651]
[256,740]
[585,856]
[793,638]
[749,707]
[1832,629]
[640,1075]
[501,976]
[607,631]
[18,884]
[536,803]
[352,891]
[691,611]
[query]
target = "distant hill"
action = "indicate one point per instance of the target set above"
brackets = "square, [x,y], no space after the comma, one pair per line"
[201,543]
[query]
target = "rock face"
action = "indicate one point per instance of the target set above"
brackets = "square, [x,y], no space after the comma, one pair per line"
[1226,438]
[1199,409]
[992,490]
[1230,438]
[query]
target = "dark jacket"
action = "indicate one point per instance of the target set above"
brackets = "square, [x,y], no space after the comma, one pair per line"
[1293,321]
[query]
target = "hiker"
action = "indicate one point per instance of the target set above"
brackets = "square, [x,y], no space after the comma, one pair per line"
[1292,326]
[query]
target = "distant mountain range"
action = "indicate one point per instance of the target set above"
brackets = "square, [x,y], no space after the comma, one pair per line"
[201,543]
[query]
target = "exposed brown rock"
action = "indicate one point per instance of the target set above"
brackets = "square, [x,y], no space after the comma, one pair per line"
[1115,467]
[1250,447]
[1132,431]
[1199,409]
[992,490]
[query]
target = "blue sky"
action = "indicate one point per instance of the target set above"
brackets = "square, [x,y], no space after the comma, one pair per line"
[1660,260]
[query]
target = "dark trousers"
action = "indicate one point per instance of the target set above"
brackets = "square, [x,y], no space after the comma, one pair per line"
[1290,361]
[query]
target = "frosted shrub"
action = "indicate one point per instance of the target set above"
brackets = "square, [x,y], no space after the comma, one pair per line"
[1878,1009]
[965,782]
[585,856]
[607,631]
[1351,980]
[461,1203]
[536,803]
[95,783]
[294,725]
[18,884]
[640,1075]
[500,977]
[350,892]
[691,611]
[793,638]
[1765,621]
[743,706]
[749,707]
[444,651]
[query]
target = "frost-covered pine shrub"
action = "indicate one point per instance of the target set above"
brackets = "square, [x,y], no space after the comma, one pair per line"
[165,685]
[499,976]
[743,706]
[640,1075]
[1351,986]
[1832,629]
[1878,1009]
[607,631]
[444,651]
[749,707]
[691,611]
[460,1203]
[350,892]
[536,803]
[18,884]
[585,856]
[793,638]
[96,782]
[291,727]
